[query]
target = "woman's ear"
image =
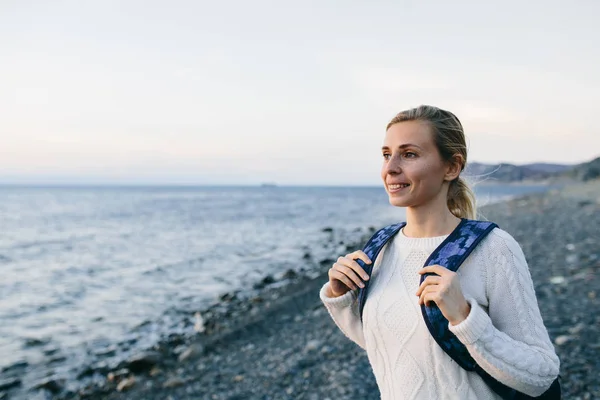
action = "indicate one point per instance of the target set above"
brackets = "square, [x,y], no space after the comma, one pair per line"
[454,167]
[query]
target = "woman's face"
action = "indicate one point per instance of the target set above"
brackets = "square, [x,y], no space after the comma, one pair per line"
[413,170]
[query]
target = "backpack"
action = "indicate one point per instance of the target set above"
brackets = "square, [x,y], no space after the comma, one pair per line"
[450,254]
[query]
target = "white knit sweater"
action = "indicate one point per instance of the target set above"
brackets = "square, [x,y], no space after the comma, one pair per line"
[504,331]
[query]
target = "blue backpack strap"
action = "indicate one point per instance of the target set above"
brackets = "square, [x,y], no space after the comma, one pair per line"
[372,249]
[451,253]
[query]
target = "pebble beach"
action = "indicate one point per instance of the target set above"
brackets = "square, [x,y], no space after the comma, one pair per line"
[280,343]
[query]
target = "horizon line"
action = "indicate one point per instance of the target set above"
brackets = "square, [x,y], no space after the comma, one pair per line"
[139,185]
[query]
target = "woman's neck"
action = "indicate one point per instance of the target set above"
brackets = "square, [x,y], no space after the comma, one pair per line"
[422,222]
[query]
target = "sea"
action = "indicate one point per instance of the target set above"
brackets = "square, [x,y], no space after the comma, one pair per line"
[88,272]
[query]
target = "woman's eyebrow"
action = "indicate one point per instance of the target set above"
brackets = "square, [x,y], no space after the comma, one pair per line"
[402,146]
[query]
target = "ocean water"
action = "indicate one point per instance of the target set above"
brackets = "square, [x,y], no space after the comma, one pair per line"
[89,270]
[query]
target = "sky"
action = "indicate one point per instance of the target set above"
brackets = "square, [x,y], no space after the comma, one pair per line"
[297,93]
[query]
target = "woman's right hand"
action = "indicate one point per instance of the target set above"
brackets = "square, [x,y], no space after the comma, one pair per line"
[346,274]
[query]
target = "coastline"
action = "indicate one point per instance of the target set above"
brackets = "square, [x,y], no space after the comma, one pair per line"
[280,342]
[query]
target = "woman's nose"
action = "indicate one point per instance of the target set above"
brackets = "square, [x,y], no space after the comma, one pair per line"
[393,165]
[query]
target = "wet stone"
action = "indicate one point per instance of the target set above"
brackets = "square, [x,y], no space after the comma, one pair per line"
[228,297]
[16,367]
[173,382]
[117,375]
[51,384]
[290,274]
[34,342]
[126,384]
[143,362]
[193,351]
[106,351]
[9,383]
[50,350]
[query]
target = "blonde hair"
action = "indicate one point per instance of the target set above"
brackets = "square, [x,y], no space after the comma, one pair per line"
[449,139]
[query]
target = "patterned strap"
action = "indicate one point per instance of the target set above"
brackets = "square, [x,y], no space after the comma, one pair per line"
[372,249]
[450,254]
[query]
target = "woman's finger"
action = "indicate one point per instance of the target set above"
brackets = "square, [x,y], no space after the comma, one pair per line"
[354,265]
[360,254]
[422,294]
[335,274]
[350,273]
[435,269]
[430,280]
[429,294]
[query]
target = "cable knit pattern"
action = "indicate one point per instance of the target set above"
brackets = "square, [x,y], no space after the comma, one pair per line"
[503,332]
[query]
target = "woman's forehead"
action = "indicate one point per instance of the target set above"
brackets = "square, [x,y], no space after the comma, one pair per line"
[409,132]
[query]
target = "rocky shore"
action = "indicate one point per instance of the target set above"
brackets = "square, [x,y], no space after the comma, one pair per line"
[278,342]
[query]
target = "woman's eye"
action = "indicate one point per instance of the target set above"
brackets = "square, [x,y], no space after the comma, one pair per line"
[410,154]
[386,156]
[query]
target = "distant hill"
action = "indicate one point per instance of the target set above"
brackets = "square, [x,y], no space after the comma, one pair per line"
[548,168]
[586,171]
[536,172]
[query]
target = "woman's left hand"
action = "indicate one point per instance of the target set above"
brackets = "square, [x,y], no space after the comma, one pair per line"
[445,291]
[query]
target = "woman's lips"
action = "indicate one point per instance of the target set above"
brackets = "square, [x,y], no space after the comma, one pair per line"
[396,188]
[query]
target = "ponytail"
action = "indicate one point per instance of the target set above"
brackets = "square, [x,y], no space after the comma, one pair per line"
[461,199]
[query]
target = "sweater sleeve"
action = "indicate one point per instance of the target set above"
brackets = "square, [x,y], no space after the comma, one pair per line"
[344,312]
[510,343]
[344,309]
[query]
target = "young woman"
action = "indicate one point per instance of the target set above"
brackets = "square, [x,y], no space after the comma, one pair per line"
[490,301]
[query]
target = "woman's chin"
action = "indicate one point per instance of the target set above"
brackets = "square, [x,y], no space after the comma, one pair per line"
[398,202]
